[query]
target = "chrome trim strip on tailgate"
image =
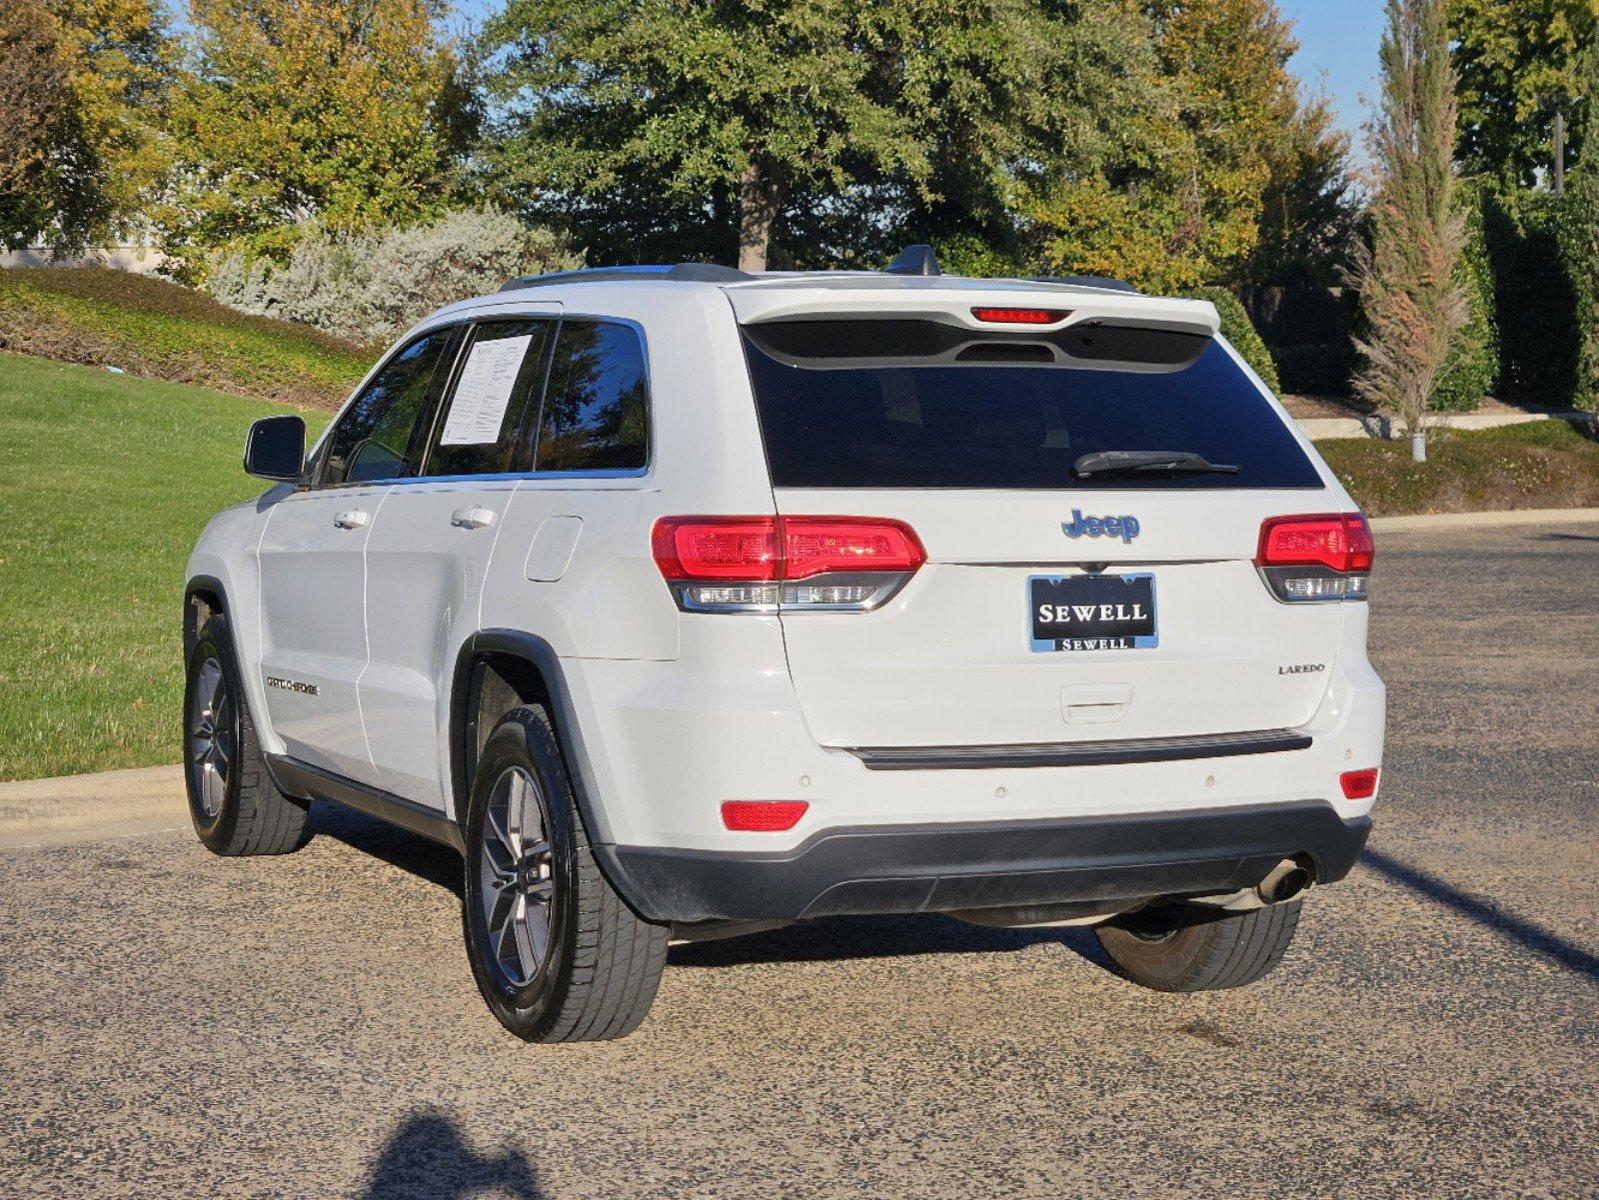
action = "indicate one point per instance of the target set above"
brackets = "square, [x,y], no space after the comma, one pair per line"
[1079,754]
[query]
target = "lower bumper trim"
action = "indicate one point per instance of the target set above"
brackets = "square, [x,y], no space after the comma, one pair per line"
[1081,754]
[942,868]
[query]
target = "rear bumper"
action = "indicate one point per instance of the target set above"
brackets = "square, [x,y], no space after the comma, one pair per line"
[907,869]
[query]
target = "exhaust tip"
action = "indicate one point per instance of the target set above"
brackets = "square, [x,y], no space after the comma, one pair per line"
[1283,882]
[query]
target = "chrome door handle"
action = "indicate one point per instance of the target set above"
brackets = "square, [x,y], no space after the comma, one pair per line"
[472,518]
[352,518]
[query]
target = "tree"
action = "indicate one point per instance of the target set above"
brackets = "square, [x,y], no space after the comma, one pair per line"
[714,116]
[32,90]
[1102,180]
[1409,278]
[1518,62]
[1210,165]
[96,154]
[1307,214]
[1582,238]
[346,112]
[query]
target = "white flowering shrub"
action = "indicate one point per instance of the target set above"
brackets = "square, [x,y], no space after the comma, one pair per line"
[370,287]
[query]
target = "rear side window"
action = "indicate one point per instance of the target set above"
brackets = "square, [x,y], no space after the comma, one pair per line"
[596,407]
[381,434]
[932,411]
[484,426]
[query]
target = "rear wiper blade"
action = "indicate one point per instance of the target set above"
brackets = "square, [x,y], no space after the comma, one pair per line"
[1154,462]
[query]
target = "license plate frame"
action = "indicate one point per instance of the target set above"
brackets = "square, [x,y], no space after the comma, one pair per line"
[1124,630]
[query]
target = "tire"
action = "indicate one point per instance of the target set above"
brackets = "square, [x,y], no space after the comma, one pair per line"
[557,954]
[1176,947]
[235,805]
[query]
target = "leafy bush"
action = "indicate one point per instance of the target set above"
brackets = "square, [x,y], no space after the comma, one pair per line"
[1578,236]
[373,286]
[1537,294]
[1471,371]
[1237,328]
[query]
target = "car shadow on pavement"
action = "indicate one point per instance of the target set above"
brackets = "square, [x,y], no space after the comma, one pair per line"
[837,938]
[834,938]
[438,865]
[1534,938]
[428,1159]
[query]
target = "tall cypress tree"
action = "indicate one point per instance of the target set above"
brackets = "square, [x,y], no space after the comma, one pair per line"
[1409,277]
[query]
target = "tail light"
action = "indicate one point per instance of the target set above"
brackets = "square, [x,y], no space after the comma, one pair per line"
[758,564]
[1323,557]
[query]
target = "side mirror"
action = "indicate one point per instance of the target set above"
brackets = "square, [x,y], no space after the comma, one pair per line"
[275,448]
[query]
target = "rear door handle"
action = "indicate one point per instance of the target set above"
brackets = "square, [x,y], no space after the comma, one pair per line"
[472,518]
[352,518]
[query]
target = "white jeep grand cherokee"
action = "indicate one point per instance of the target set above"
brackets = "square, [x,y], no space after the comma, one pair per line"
[686,602]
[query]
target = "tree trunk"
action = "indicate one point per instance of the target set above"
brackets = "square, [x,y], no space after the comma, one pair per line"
[759,198]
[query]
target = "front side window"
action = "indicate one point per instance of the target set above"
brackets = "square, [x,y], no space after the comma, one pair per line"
[380,436]
[483,428]
[596,408]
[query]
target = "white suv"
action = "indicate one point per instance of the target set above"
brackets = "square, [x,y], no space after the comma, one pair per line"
[686,602]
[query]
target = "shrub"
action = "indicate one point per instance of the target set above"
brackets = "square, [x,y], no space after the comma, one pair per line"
[371,287]
[1471,371]
[1237,328]
[1536,294]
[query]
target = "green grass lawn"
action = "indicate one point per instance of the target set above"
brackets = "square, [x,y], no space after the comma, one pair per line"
[105,482]
[160,330]
[1545,464]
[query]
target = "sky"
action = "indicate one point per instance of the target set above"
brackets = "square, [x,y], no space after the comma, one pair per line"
[1338,52]
[1337,49]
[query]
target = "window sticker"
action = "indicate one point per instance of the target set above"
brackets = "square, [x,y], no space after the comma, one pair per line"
[484,392]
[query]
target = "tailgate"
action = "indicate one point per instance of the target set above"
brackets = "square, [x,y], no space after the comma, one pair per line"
[1090,497]
[952,660]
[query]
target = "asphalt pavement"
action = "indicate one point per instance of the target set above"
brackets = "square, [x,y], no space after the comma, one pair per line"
[176,1025]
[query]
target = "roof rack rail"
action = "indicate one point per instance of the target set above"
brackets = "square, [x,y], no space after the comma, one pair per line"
[1093,281]
[689,272]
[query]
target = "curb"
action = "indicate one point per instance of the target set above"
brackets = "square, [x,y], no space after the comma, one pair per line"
[83,808]
[1323,429]
[1485,520]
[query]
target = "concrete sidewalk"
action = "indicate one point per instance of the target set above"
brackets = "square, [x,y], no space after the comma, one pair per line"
[1485,520]
[86,808]
[82,808]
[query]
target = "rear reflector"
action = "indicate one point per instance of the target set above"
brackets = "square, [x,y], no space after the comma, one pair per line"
[1359,785]
[762,816]
[1021,316]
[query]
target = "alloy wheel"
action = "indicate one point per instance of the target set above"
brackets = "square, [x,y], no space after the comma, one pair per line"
[516,866]
[211,736]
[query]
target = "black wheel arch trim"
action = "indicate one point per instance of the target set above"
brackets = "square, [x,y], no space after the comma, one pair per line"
[539,654]
[191,635]
[191,629]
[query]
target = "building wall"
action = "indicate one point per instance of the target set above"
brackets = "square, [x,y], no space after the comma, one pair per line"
[140,260]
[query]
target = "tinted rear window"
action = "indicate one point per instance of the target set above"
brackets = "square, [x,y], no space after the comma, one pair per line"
[920,410]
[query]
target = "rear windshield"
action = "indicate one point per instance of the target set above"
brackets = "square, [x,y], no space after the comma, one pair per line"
[915,404]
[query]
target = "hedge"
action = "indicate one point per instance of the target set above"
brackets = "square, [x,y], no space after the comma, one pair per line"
[1472,370]
[1237,328]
